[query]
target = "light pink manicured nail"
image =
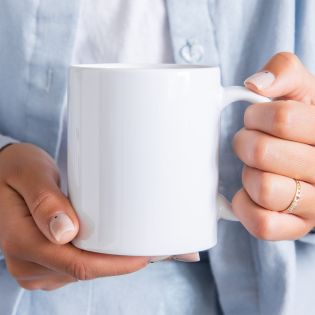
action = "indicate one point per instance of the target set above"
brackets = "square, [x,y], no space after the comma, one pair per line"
[59,225]
[191,257]
[261,80]
[158,258]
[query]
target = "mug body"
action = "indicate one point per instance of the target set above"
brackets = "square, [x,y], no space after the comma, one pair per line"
[142,157]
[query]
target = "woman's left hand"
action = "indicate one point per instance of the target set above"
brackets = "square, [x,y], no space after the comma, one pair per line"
[277,145]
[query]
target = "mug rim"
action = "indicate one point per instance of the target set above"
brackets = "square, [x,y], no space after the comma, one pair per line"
[142,66]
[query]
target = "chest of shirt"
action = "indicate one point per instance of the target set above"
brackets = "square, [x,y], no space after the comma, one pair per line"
[128,31]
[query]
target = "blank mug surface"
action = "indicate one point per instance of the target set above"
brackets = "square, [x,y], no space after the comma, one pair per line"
[142,157]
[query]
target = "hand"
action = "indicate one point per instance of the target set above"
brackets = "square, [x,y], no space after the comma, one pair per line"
[277,146]
[37,222]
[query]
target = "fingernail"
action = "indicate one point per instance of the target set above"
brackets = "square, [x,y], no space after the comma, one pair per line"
[192,257]
[158,258]
[261,80]
[59,225]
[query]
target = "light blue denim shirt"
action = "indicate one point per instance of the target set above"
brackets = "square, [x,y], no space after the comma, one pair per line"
[249,276]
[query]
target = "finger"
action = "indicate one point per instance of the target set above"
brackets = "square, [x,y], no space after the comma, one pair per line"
[70,260]
[160,258]
[190,257]
[25,270]
[288,120]
[284,76]
[84,265]
[31,245]
[265,224]
[276,192]
[274,155]
[48,283]
[36,181]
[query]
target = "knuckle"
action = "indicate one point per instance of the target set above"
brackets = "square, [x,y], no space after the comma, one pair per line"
[260,152]
[43,200]
[265,190]
[79,270]
[288,58]
[237,202]
[237,140]
[246,175]
[264,229]
[248,113]
[282,118]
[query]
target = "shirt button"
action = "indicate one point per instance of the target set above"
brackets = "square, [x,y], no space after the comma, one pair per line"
[192,52]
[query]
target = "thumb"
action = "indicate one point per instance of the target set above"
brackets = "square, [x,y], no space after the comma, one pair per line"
[285,77]
[52,212]
[37,183]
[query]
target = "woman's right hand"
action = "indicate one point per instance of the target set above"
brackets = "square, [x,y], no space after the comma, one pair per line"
[38,222]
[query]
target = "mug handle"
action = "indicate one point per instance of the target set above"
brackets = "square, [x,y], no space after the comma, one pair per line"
[232,94]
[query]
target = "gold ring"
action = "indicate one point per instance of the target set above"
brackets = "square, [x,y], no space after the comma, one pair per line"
[296,198]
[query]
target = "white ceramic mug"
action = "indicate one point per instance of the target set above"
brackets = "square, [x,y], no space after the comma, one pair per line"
[143,156]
